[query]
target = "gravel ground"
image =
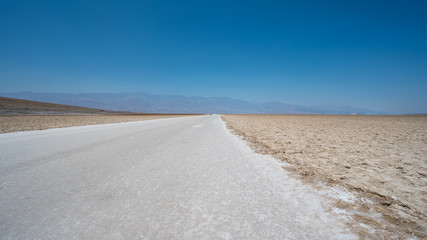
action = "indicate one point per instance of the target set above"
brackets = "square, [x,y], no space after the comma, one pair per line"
[29,123]
[380,160]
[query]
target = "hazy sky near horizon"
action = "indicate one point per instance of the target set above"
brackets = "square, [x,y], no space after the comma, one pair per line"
[370,54]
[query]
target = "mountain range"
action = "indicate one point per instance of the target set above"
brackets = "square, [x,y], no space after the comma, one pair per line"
[152,103]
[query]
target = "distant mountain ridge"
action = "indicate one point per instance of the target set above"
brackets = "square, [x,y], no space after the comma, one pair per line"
[151,103]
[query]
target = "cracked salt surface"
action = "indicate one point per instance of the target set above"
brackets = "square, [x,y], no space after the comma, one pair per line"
[161,179]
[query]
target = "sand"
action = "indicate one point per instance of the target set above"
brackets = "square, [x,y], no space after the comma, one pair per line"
[381,160]
[29,123]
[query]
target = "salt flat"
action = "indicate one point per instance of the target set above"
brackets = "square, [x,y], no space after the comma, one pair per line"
[176,178]
[381,160]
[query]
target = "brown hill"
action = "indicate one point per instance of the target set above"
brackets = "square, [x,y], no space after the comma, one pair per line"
[13,106]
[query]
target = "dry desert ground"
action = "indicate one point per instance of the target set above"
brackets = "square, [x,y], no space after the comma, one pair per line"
[381,160]
[40,122]
[13,106]
[25,115]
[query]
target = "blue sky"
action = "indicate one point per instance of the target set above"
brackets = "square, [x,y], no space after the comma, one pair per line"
[370,54]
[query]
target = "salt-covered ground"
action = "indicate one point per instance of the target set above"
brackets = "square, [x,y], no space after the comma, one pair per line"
[178,178]
[378,162]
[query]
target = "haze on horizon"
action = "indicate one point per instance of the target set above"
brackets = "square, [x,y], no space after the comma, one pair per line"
[368,54]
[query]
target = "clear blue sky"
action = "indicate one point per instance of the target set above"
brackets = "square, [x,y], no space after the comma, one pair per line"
[369,54]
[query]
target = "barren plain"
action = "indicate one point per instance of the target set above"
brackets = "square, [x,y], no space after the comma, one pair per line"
[29,123]
[24,115]
[13,106]
[380,160]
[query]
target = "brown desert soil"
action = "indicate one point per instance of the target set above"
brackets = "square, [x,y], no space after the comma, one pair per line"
[381,160]
[14,106]
[29,123]
[24,115]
